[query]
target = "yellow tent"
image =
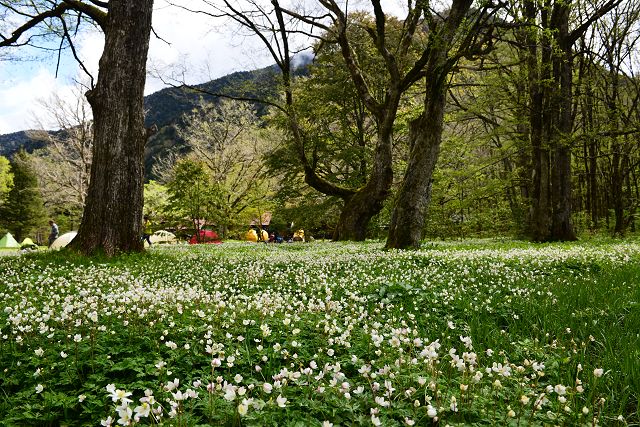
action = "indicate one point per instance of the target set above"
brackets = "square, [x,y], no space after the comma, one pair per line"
[252,235]
[298,236]
[28,243]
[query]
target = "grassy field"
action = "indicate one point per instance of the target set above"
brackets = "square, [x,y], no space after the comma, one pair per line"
[463,333]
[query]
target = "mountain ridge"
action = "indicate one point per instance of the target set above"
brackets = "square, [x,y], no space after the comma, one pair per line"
[166,107]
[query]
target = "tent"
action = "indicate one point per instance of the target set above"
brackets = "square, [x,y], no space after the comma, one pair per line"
[252,235]
[206,236]
[27,243]
[264,221]
[163,236]
[8,242]
[63,240]
[298,236]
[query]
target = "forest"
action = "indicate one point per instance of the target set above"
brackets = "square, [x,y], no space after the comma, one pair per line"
[460,119]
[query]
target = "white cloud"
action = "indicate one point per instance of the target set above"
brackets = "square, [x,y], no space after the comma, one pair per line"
[19,108]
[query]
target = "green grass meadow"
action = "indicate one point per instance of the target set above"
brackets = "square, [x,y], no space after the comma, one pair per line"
[481,332]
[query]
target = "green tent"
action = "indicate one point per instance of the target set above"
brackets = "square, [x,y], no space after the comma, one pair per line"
[28,243]
[9,242]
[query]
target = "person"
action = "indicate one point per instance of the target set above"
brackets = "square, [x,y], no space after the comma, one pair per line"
[53,235]
[146,229]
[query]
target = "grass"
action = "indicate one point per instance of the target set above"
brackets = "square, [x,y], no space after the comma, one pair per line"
[467,333]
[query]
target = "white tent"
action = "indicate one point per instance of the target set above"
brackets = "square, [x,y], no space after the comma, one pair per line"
[63,240]
[162,236]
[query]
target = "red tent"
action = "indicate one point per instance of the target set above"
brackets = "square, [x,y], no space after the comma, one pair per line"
[206,236]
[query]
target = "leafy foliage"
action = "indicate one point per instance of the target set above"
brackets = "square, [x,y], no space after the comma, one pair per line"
[23,210]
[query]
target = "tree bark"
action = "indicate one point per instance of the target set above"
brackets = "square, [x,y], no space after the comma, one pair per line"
[538,72]
[561,224]
[410,208]
[112,218]
[367,202]
[407,220]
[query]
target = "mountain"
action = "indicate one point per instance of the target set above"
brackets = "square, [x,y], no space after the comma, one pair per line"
[165,108]
[12,142]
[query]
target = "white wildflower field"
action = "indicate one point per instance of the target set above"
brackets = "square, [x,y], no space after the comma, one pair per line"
[323,334]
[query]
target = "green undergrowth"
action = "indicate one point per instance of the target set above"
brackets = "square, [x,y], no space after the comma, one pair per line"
[481,332]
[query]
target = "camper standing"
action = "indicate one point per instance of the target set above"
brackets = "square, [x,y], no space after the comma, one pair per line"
[53,235]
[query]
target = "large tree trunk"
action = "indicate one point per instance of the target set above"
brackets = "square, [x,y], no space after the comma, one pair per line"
[112,216]
[412,202]
[540,210]
[561,225]
[410,209]
[367,202]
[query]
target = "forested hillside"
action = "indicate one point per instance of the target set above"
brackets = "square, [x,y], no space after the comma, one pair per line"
[165,108]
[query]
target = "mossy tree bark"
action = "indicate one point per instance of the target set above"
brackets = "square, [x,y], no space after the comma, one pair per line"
[412,201]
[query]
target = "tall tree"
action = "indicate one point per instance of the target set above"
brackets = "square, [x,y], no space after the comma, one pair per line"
[6,178]
[23,210]
[193,195]
[111,220]
[459,34]
[549,45]
[227,139]
[274,24]
[618,36]
[63,165]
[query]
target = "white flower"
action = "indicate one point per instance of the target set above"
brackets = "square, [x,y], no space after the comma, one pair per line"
[242,409]
[598,372]
[143,410]
[375,420]
[172,385]
[281,401]
[77,337]
[267,387]
[81,398]
[431,411]
[39,388]
[238,378]
[121,395]
[125,413]
[230,393]
[39,352]
[327,424]
[409,421]
[63,354]
[454,404]
[107,422]
[560,389]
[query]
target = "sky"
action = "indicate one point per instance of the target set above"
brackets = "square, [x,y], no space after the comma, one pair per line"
[196,44]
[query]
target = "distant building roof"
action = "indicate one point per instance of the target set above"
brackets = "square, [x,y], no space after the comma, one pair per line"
[265,220]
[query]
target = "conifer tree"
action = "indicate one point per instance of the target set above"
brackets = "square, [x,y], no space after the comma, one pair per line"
[23,210]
